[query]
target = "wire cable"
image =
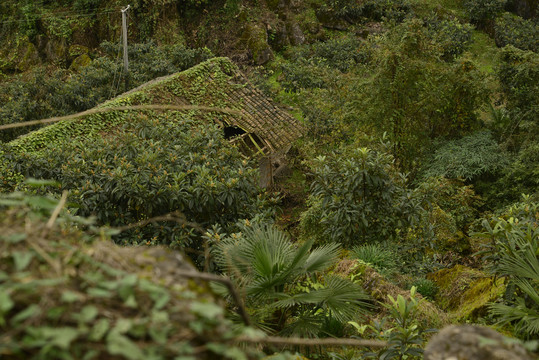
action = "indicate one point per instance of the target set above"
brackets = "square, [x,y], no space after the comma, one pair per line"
[108,11]
[112,89]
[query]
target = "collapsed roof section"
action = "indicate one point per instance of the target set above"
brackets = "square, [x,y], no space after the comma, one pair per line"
[245,113]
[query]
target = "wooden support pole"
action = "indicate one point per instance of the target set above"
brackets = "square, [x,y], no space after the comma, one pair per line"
[124,36]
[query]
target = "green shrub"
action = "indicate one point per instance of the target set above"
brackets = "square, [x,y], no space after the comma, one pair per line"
[406,338]
[522,176]
[512,250]
[453,36]
[339,53]
[519,78]
[150,166]
[513,30]
[483,11]
[285,285]
[453,197]
[426,287]
[356,197]
[380,258]
[469,158]
[357,11]
[307,74]
[415,97]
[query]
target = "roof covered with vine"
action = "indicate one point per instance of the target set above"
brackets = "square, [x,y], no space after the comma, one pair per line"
[214,90]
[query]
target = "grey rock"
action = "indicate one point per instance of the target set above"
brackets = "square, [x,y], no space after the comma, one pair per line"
[470,342]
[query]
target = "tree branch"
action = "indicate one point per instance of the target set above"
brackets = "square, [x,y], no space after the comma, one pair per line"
[120,108]
[274,340]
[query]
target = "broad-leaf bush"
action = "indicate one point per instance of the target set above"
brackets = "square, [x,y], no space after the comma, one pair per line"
[43,93]
[513,30]
[513,250]
[359,11]
[356,197]
[483,11]
[522,176]
[518,74]
[154,165]
[453,37]
[339,53]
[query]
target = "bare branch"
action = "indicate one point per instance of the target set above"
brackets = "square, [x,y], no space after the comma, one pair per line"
[223,280]
[175,216]
[274,340]
[120,108]
[57,210]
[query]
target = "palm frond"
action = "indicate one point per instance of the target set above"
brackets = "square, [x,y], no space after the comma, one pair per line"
[344,299]
[525,319]
[313,297]
[526,286]
[304,325]
[322,257]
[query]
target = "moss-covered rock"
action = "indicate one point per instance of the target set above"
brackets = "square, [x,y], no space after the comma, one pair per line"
[18,54]
[474,343]
[77,50]
[80,62]
[56,50]
[255,39]
[65,295]
[465,292]
[379,288]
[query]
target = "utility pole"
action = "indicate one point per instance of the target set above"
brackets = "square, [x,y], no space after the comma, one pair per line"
[124,36]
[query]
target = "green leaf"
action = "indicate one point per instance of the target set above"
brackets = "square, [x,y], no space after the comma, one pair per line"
[15,238]
[87,314]
[69,296]
[22,259]
[5,302]
[118,344]
[61,337]
[206,310]
[123,325]
[29,312]
[99,293]
[131,301]
[99,330]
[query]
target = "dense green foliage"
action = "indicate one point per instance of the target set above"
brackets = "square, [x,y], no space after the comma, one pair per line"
[383,259]
[513,249]
[513,30]
[66,295]
[356,197]
[154,165]
[418,125]
[483,11]
[469,157]
[519,77]
[280,281]
[415,97]
[40,94]
[355,11]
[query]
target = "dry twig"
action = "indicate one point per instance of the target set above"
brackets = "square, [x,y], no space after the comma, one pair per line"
[225,281]
[274,340]
[120,108]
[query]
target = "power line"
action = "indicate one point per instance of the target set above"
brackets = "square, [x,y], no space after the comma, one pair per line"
[107,11]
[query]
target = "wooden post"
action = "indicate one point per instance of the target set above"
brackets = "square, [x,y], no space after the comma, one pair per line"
[124,36]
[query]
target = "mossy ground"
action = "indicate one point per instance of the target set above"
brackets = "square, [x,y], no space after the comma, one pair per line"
[465,292]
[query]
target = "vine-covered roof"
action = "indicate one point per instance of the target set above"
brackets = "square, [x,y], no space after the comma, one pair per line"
[215,90]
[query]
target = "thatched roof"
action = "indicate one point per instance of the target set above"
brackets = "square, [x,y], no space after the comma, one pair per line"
[262,126]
